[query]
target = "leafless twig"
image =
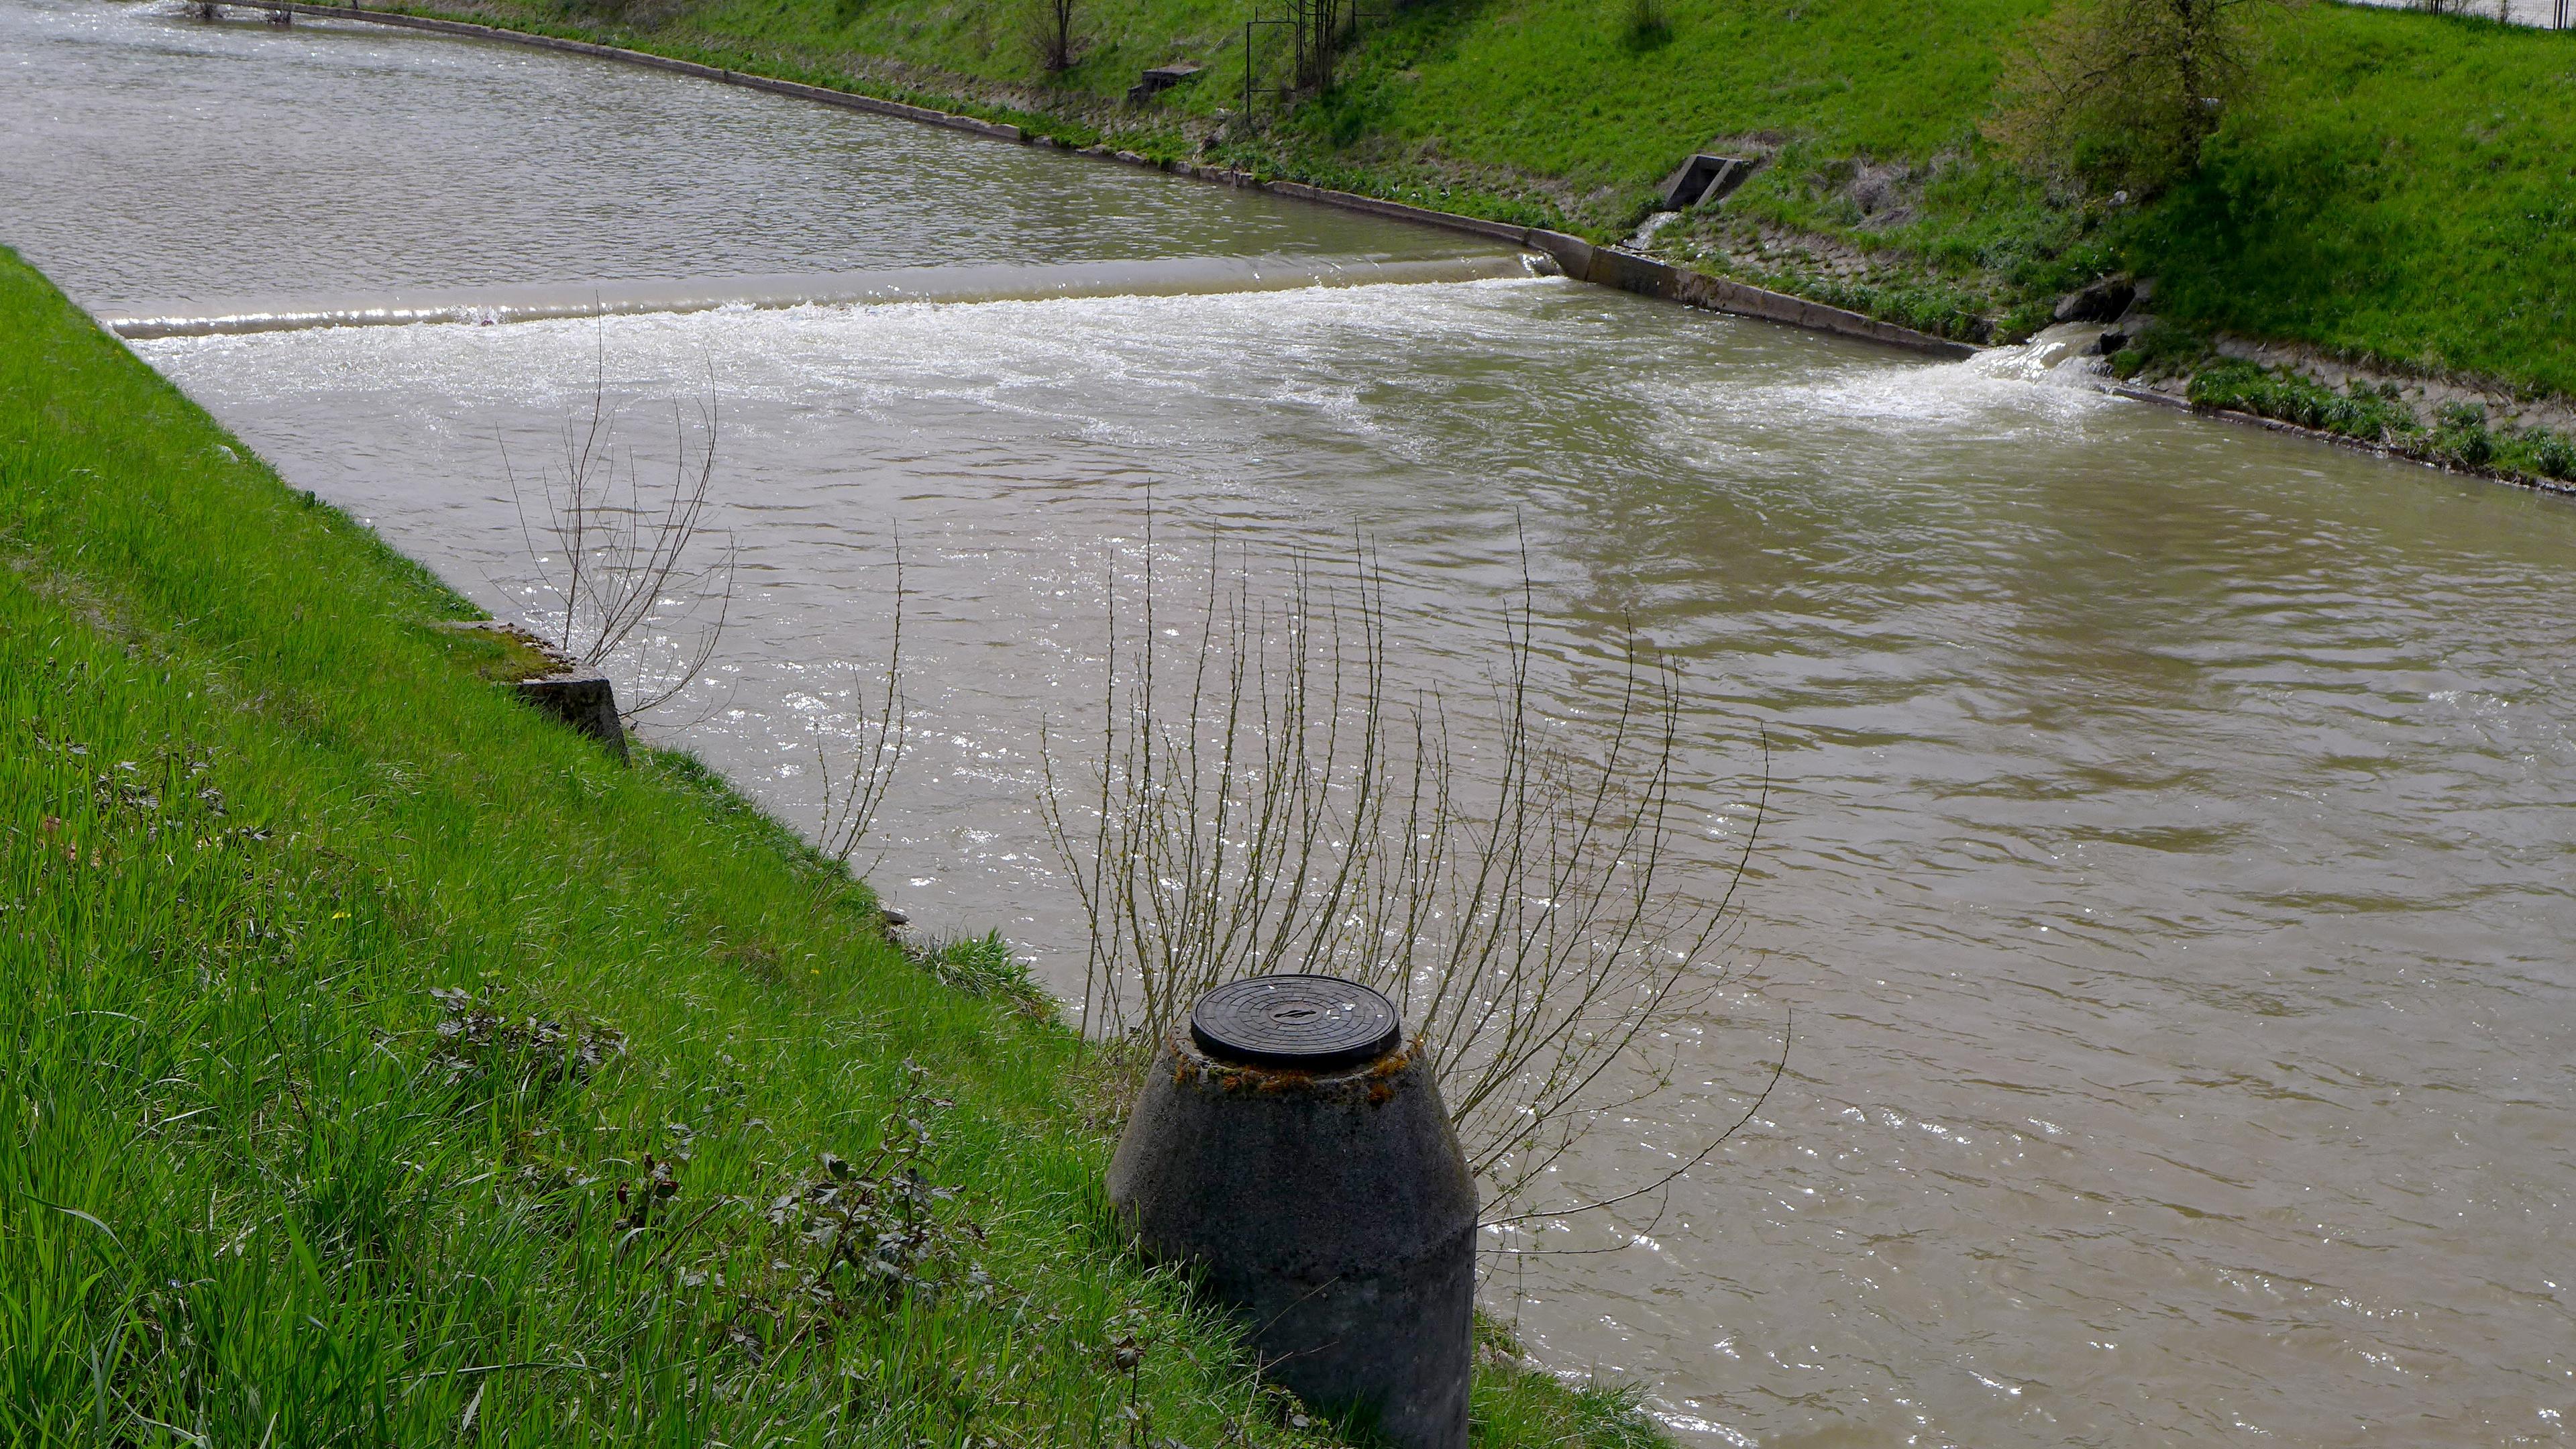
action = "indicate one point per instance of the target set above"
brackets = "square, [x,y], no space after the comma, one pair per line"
[1269,796]
[850,801]
[625,560]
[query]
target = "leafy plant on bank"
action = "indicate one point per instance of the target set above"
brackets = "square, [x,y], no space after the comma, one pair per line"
[1931,305]
[1648,25]
[881,1230]
[2370,414]
[2160,350]
[986,966]
[2118,96]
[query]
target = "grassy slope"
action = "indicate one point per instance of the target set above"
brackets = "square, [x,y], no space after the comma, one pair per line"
[2405,189]
[253,810]
[2400,191]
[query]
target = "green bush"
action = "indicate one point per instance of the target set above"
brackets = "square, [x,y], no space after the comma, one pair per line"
[2461,437]
[1940,308]
[2548,454]
[2161,349]
[1649,24]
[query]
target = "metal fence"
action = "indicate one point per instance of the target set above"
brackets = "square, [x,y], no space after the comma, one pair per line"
[2535,14]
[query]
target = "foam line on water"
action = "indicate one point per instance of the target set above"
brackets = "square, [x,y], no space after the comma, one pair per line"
[529,302]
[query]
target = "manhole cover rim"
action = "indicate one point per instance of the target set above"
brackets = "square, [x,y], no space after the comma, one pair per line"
[1295,1020]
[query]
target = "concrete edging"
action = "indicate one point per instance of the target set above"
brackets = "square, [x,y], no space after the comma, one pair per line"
[1580,260]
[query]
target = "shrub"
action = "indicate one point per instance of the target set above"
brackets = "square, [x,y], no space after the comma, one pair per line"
[2461,438]
[2551,455]
[1649,24]
[2160,349]
[1940,308]
[986,966]
[1054,34]
[2119,95]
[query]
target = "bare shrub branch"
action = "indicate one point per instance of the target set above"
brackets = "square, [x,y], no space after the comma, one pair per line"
[1052,34]
[1270,794]
[627,560]
[850,801]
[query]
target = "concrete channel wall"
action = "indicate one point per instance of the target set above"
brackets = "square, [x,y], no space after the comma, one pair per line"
[1581,260]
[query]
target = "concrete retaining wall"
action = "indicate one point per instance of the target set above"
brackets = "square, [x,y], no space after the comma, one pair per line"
[1605,266]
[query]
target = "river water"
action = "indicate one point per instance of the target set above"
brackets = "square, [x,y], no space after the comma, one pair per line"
[2168,853]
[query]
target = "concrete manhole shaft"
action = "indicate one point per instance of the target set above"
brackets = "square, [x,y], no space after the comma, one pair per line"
[1294,1148]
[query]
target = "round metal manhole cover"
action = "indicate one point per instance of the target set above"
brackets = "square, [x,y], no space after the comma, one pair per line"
[1312,1023]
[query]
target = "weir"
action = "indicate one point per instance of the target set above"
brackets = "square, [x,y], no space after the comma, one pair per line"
[1001,282]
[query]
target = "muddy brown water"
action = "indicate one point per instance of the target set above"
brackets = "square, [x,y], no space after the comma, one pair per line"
[2169,852]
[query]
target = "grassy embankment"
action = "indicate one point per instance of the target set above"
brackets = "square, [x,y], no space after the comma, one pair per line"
[386,1065]
[2400,192]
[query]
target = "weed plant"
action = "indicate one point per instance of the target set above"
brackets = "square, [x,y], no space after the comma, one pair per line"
[2161,350]
[1933,306]
[2370,414]
[1649,24]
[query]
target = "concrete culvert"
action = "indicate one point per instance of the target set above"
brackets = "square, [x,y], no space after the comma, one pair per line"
[1293,1147]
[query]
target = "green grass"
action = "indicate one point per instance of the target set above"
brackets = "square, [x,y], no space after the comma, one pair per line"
[2404,190]
[2401,189]
[386,1065]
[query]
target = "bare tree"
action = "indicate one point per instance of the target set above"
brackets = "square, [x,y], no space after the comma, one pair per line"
[1268,796]
[627,560]
[1052,32]
[1319,27]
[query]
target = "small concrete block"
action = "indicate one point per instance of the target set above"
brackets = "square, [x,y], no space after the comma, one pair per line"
[584,699]
[1160,79]
[1572,253]
[1704,178]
